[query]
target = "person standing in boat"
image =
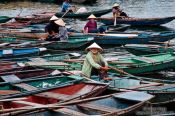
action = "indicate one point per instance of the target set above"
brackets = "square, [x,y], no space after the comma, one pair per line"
[91,26]
[52,27]
[94,63]
[117,12]
[62,34]
[66,7]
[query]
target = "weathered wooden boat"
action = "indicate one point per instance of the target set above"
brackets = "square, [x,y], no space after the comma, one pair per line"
[143,38]
[108,105]
[4,19]
[72,43]
[15,25]
[128,38]
[18,52]
[84,15]
[144,49]
[146,63]
[33,19]
[138,21]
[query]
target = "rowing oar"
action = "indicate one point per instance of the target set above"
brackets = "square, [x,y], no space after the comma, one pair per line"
[65,13]
[115,20]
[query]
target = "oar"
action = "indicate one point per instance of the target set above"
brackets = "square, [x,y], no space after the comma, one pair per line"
[65,13]
[115,20]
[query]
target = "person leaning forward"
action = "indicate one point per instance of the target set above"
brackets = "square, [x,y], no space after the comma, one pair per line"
[94,63]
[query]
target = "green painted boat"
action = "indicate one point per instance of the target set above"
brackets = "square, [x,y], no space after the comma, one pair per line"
[40,83]
[146,63]
[84,15]
[72,43]
[145,49]
[4,19]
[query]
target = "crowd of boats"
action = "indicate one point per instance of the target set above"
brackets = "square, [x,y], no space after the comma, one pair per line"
[44,77]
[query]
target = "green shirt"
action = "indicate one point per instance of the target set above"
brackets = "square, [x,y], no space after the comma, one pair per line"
[92,61]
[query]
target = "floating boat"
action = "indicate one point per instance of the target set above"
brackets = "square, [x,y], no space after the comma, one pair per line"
[14,25]
[85,14]
[128,38]
[4,19]
[33,19]
[138,21]
[144,49]
[72,43]
[18,52]
[62,92]
[119,104]
[83,1]
[146,63]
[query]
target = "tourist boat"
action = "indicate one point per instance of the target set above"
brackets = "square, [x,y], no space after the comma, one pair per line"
[146,63]
[145,49]
[14,25]
[85,14]
[4,19]
[137,21]
[126,103]
[18,52]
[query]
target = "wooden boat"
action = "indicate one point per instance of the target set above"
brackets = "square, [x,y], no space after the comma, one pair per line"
[18,52]
[83,1]
[138,21]
[33,19]
[143,38]
[146,63]
[73,43]
[108,105]
[15,25]
[84,15]
[4,19]
[128,38]
[62,92]
[145,49]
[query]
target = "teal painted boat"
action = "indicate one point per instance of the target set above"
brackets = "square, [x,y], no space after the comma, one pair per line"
[4,19]
[72,43]
[85,14]
[145,49]
[146,63]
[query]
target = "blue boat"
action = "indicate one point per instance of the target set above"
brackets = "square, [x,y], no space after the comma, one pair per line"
[129,38]
[138,21]
[18,52]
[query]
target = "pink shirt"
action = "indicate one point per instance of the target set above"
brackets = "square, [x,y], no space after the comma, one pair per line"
[91,26]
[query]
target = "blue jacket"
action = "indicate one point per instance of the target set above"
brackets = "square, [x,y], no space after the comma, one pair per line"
[65,6]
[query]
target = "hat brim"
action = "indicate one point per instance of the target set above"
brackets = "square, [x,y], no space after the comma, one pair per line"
[88,49]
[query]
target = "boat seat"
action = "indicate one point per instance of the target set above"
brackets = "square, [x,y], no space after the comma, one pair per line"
[145,59]
[70,112]
[10,78]
[47,63]
[26,86]
[29,103]
[100,108]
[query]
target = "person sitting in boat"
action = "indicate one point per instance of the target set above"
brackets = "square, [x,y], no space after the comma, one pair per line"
[52,28]
[91,26]
[117,12]
[66,7]
[62,34]
[94,63]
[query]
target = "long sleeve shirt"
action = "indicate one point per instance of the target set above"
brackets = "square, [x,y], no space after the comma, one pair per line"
[65,6]
[92,61]
[91,26]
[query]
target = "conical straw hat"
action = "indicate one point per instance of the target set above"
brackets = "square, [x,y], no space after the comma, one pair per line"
[115,5]
[94,45]
[92,17]
[60,22]
[53,18]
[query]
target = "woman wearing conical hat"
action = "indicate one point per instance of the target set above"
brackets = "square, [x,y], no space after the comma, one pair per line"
[94,63]
[62,34]
[117,12]
[52,27]
[91,26]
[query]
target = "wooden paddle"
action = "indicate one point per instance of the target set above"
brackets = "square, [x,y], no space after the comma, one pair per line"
[115,20]
[65,13]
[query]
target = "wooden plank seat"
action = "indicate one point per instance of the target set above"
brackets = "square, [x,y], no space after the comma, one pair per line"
[145,59]
[47,63]
[70,112]
[100,108]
